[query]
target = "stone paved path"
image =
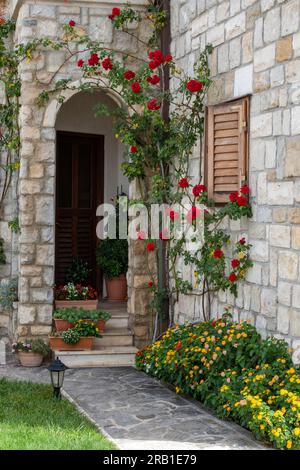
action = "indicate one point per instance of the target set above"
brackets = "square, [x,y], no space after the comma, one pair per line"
[137,412]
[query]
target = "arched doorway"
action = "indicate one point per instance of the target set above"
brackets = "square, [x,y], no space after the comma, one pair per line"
[88,160]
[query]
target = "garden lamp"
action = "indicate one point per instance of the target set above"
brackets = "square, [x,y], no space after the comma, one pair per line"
[57,372]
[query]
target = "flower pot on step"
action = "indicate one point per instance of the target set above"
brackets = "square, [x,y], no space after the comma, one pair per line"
[116,288]
[84,344]
[30,359]
[99,323]
[85,304]
[62,325]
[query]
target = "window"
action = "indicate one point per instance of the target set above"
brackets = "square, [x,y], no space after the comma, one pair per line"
[226,150]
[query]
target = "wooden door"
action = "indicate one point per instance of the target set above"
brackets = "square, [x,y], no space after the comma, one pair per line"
[79,190]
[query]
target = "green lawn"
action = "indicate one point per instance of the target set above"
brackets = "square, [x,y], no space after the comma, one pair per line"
[30,419]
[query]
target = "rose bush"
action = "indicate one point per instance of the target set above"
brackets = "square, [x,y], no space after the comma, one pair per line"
[231,369]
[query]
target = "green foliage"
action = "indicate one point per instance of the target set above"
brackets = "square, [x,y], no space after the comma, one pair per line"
[73,314]
[78,272]
[112,257]
[85,328]
[8,294]
[35,345]
[71,336]
[2,254]
[231,369]
[14,225]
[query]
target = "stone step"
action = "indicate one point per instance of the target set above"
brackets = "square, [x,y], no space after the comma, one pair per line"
[106,357]
[114,337]
[118,320]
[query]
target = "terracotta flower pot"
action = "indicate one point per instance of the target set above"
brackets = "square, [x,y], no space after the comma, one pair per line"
[62,325]
[116,288]
[85,304]
[30,359]
[58,344]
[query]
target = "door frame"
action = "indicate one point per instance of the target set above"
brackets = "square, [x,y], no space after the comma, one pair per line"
[99,196]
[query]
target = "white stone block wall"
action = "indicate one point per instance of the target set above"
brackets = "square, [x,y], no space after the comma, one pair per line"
[256,53]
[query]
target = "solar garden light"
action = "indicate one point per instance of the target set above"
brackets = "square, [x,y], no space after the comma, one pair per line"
[57,373]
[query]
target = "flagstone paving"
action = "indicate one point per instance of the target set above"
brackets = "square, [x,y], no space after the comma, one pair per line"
[137,412]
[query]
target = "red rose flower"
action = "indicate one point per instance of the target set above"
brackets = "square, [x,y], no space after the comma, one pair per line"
[153,64]
[150,284]
[72,23]
[153,105]
[245,189]
[242,241]
[116,11]
[194,86]
[93,60]
[80,63]
[106,64]
[183,183]
[150,246]
[168,58]
[178,345]
[174,215]
[157,56]
[232,277]
[198,189]
[154,79]
[136,87]
[235,263]
[242,201]
[133,149]
[218,253]
[233,196]
[129,74]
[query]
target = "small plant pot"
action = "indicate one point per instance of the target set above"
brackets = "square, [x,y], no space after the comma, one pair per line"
[62,325]
[84,344]
[85,304]
[116,288]
[30,359]
[99,323]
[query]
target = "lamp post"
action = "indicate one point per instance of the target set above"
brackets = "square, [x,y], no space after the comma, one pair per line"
[57,372]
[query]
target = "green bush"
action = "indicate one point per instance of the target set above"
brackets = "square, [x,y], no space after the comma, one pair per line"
[78,272]
[112,257]
[2,254]
[231,369]
[73,314]
[8,294]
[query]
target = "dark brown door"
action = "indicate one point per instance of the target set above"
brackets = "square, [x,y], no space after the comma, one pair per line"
[79,190]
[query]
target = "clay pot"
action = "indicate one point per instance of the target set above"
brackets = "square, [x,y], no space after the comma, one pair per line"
[62,325]
[116,288]
[85,304]
[58,344]
[30,359]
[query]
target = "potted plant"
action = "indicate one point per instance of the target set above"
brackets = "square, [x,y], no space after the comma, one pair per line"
[79,338]
[66,318]
[31,352]
[112,258]
[78,272]
[76,295]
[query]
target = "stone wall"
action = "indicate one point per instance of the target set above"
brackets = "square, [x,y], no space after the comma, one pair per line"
[257,53]
[37,128]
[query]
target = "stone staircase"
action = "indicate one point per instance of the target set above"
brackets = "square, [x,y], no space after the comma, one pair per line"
[114,349]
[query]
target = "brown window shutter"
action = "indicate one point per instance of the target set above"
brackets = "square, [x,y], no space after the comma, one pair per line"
[226,156]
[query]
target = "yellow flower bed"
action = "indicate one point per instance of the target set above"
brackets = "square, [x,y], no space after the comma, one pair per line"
[230,368]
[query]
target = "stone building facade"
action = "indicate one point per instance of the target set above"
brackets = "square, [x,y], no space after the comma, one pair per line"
[256,54]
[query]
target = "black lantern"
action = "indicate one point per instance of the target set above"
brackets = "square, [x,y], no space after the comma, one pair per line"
[57,372]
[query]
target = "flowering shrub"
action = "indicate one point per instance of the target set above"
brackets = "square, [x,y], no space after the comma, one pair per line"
[75,292]
[36,345]
[231,369]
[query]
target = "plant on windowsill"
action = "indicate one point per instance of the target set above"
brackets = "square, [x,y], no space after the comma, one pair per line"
[78,272]
[112,258]
[78,338]
[75,295]
[31,352]
[66,318]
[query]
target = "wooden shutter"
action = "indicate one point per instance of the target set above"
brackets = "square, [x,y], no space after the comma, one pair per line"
[226,154]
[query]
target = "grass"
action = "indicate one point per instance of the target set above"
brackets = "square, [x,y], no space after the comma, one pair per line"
[31,420]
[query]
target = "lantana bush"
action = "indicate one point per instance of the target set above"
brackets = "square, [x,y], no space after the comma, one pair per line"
[231,369]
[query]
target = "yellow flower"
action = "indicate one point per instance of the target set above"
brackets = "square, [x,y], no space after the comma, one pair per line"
[289,444]
[241,255]
[177,389]
[297,432]
[262,427]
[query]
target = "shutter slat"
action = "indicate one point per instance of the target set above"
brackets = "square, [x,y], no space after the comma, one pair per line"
[227,148]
